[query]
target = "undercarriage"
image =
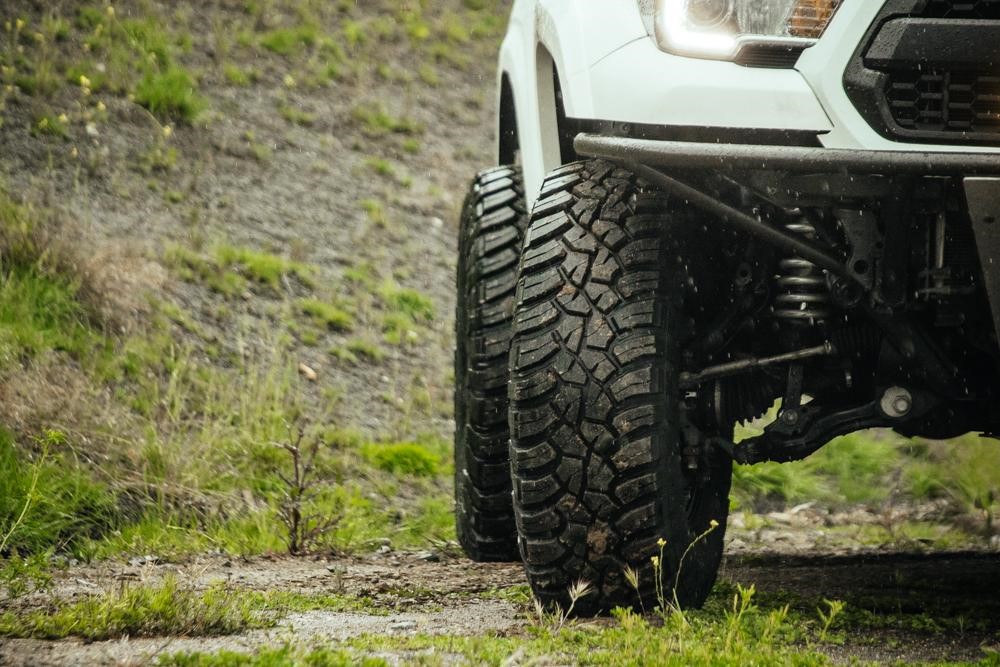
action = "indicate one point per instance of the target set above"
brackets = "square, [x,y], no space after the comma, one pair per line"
[857,291]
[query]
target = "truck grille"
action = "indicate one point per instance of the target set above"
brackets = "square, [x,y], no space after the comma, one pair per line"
[927,71]
[945,101]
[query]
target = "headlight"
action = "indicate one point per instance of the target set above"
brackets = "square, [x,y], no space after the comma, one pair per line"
[721,28]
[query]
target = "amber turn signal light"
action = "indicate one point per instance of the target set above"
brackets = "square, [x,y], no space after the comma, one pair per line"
[809,18]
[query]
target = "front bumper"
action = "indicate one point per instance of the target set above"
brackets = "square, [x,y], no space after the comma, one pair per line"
[801,159]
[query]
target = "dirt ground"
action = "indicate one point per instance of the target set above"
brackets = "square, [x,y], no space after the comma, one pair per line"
[904,604]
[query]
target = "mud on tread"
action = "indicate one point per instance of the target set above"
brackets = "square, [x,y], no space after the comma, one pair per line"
[595,454]
[492,229]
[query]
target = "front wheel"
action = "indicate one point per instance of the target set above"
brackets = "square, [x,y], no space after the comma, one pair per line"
[596,441]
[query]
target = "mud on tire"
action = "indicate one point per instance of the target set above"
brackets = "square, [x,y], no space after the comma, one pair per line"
[594,402]
[491,230]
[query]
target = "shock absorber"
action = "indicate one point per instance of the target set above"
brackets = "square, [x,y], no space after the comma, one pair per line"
[803,294]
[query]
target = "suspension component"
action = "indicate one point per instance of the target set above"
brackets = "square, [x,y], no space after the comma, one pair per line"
[803,294]
[729,400]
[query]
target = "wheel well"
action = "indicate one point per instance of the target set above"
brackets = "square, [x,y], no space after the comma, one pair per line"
[509,143]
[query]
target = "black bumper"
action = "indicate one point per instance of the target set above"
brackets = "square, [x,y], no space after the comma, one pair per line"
[803,159]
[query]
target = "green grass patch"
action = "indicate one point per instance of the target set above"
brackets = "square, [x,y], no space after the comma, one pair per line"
[731,631]
[196,268]
[403,458]
[326,314]
[358,349]
[965,470]
[263,267]
[289,41]
[39,306]
[149,38]
[239,76]
[376,121]
[40,313]
[296,116]
[286,656]
[47,501]
[142,611]
[406,311]
[171,93]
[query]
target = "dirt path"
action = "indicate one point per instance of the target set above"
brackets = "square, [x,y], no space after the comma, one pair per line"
[900,606]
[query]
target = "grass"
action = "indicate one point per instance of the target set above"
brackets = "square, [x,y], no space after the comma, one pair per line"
[403,458]
[47,501]
[171,93]
[327,315]
[263,267]
[289,41]
[285,656]
[851,469]
[40,312]
[230,269]
[356,350]
[239,76]
[142,611]
[376,121]
[732,630]
[295,115]
[405,312]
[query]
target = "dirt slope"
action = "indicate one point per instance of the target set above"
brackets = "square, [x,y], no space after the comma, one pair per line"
[287,165]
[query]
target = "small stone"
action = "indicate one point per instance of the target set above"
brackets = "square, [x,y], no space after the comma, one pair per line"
[144,560]
[437,223]
[307,372]
[91,129]
[402,626]
[429,556]
[995,543]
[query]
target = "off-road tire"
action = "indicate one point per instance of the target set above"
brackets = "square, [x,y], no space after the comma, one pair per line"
[490,235]
[596,448]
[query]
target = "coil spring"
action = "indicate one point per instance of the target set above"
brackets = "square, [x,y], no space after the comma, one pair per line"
[803,295]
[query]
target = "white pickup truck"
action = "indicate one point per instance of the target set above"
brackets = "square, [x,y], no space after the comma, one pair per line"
[705,207]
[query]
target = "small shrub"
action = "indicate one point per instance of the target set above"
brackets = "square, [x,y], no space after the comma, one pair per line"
[303,525]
